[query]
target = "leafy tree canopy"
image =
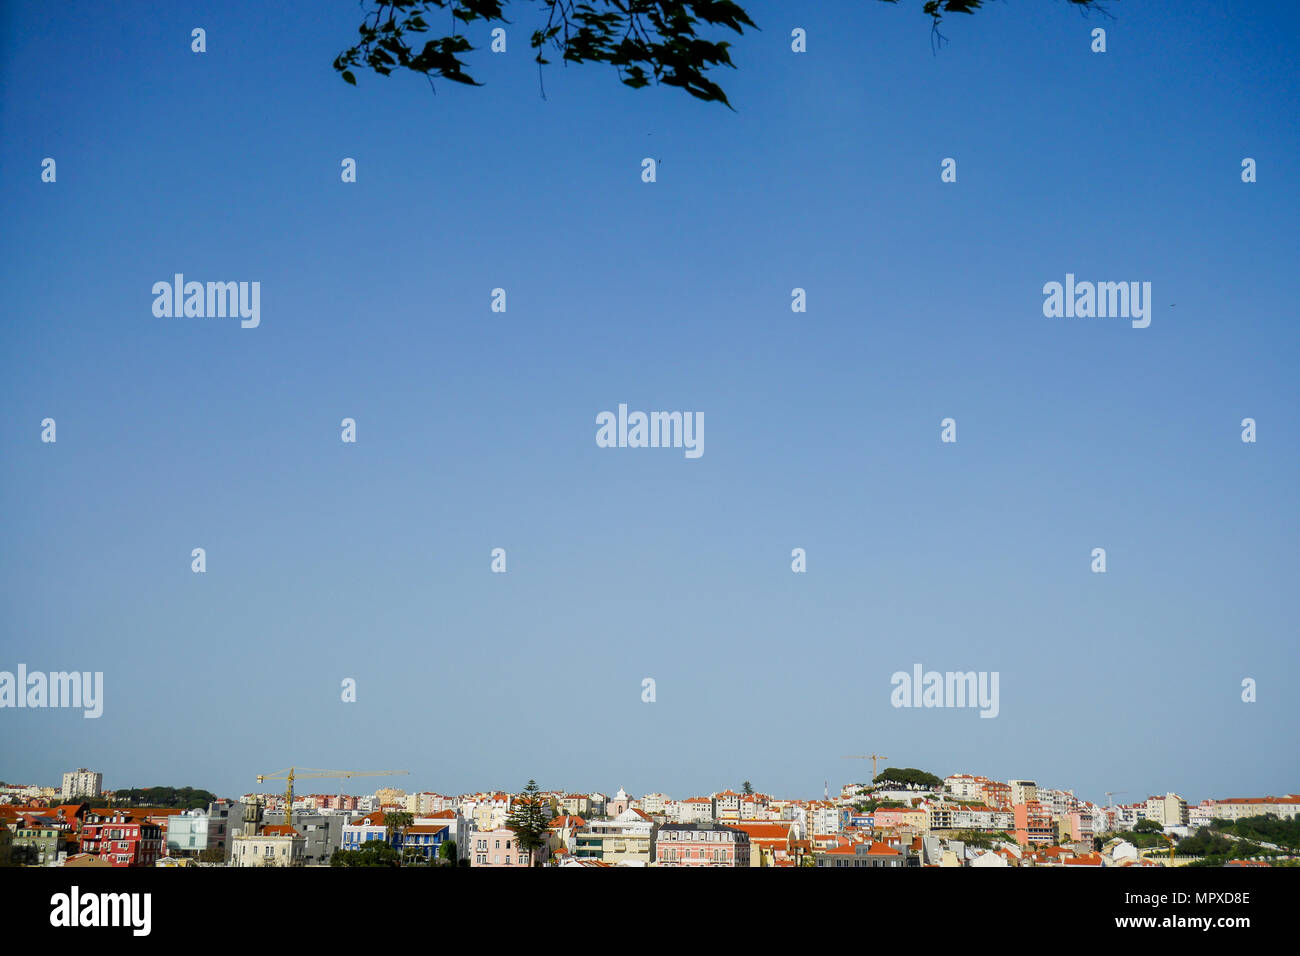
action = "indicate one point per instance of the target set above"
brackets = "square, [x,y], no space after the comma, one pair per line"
[187,798]
[1268,828]
[871,806]
[372,853]
[908,776]
[646,41]
[447,852]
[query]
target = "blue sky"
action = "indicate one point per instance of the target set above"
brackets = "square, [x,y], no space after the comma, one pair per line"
[477,429]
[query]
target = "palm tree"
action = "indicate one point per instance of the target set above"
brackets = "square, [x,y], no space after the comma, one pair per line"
[396,825]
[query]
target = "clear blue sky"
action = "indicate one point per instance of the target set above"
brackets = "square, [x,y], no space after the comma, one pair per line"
[476,430]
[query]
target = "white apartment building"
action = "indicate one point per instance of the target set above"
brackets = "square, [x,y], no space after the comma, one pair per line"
[274,846]
[419,804]
[1125,817]
[1168,811]
[653,803]
[82,783]
[1201,814]
[691,810]
[964,786]
[1057,802]
[726,805]
[823,818]
[1285,808]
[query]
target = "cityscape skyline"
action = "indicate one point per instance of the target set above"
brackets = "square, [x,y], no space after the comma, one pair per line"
[311,786]
[909,818]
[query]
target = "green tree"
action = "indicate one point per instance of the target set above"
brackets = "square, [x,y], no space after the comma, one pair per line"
[447,852]
[371,853]
[1205,842]
[746,789]
[186,798]
[527,819]
[908,776]
[1268,828]
[646,41]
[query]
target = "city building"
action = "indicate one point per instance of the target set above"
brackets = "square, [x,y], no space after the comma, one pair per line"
[654,803]
[82,783]
[691,810]
[770,841]
[121,837]
[726,805]
[701,844]
[1033,824]
[187,834]
[424,841]
[862,856]
[1023,791]
[891,817]
[371,826]
[575,804]
[620,802]
[35,843]
[500,848]
[1168,811]
[274,845]
[628,839]
[1285,808]
[322,833]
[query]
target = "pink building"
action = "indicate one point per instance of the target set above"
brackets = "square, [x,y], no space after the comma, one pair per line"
[892,817]
[620,802]
[1080,825]
[499,848]
[1034,824]
[701,844]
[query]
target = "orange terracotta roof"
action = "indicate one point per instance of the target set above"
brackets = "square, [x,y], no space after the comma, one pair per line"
[566,821]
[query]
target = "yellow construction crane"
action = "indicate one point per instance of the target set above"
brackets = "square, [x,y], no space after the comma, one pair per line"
[292,772]
[872,757]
